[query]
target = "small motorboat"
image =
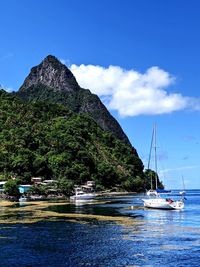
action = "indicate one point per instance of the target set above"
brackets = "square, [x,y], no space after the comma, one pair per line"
[81,195]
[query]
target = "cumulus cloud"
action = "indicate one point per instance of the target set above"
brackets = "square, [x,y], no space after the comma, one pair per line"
[132,93]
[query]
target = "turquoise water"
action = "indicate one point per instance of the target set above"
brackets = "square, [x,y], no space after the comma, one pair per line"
[151,238]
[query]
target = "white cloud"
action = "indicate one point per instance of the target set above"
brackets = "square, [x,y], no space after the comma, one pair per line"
[7,89]
[6,56]
[181,168]
[65,61]
[132,93]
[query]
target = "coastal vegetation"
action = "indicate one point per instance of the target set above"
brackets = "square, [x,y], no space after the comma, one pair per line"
[50,141]
[11,188]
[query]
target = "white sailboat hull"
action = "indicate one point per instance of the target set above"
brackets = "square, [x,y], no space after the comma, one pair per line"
[160,203]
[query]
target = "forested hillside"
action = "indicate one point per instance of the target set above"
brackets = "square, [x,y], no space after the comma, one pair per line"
[48,140]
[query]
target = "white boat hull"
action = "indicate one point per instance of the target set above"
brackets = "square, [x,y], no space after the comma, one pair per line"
[83,197]
[159,203]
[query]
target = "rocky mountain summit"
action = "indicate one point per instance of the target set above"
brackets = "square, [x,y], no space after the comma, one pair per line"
[51,73]
[52,81]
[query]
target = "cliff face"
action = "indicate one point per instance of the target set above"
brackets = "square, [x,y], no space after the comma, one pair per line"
[54,82]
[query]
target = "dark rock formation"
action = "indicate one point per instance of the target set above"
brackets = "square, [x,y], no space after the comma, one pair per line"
[52,73]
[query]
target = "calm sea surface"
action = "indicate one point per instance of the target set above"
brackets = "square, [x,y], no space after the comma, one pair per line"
[113,231]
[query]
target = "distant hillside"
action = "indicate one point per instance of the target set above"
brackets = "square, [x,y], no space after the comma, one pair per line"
[52,81]
[51,141]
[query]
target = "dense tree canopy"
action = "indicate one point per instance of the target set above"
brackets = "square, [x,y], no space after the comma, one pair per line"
[48,140]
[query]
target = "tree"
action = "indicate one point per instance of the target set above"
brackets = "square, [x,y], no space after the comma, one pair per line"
[11,188]
[106,175]
[151,175]
[135,184]
[65,186]
[38,190]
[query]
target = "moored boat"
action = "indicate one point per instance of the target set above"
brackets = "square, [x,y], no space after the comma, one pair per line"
[81,195]
[154,200]
[162,203]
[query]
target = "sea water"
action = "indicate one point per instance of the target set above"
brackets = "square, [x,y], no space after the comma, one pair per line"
[143,237]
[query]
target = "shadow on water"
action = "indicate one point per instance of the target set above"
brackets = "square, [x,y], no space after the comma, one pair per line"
[105,207]
[85,208]
[20,205]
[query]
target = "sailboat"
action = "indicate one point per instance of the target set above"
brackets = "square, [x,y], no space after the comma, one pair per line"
[155,201]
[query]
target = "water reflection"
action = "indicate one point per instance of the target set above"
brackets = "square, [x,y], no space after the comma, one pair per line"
[80,202]
[164,216]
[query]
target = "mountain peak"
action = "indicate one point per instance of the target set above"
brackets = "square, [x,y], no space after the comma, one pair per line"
[52,81]
[50,59]
[51,73]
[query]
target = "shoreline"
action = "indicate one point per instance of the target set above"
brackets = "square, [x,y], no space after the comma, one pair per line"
[116,193]
[52,197]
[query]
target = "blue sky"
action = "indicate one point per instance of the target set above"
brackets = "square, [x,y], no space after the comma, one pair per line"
[140,56]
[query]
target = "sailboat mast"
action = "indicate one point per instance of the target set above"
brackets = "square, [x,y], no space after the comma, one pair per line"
[152,139]
[155,151]
[148,167]
[183,183]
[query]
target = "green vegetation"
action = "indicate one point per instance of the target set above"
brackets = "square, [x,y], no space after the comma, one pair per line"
[65,186]
[48,140]
[11,188]
[38,190]
[152,175]
[79,101]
